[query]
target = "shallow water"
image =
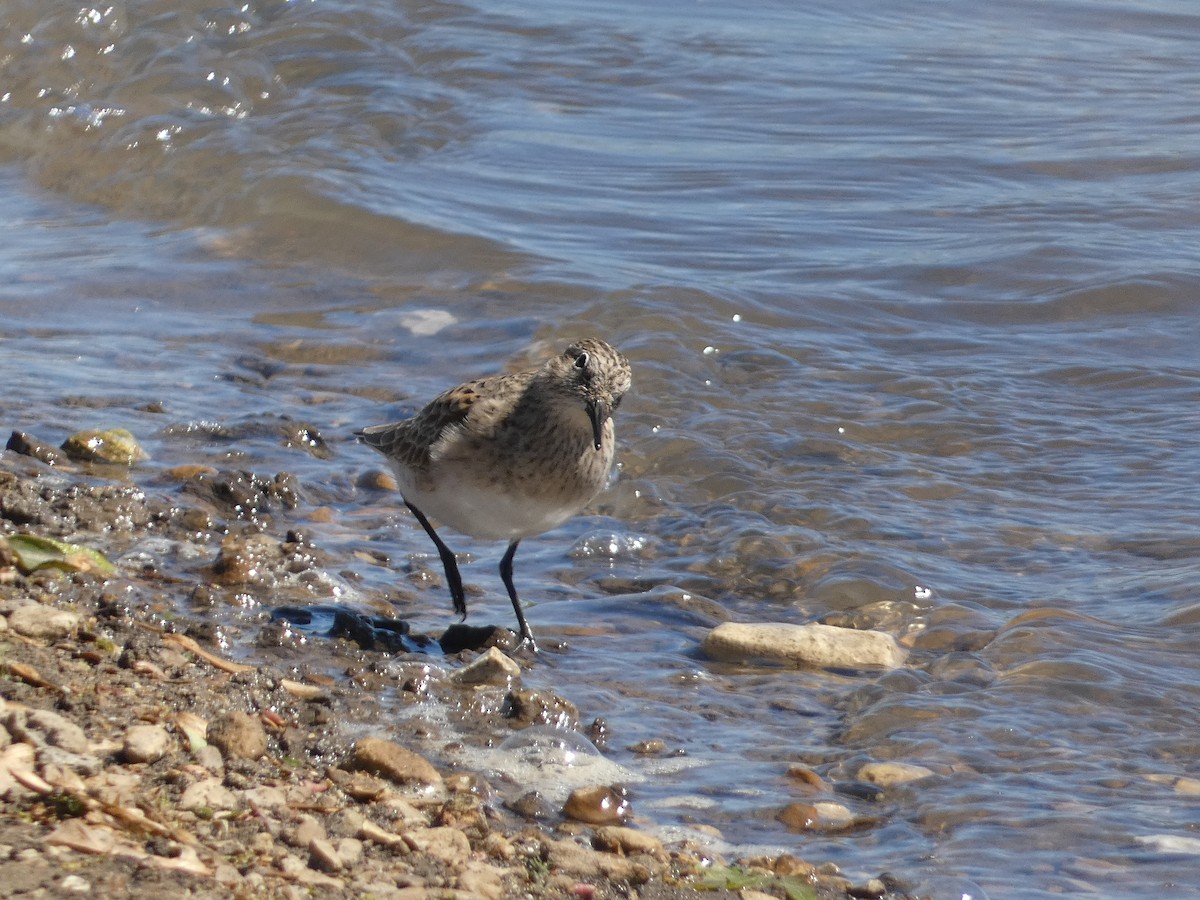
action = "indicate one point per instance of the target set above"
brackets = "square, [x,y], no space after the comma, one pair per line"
[910,296]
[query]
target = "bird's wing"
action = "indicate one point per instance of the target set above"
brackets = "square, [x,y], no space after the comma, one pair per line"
[411,440]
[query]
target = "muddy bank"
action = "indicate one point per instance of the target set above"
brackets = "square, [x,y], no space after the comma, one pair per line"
[143,753]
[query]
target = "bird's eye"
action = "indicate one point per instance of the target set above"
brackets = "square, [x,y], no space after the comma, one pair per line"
[581,361]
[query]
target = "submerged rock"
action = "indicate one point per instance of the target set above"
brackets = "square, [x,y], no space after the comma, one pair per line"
[821,646]
[115,446]
[889,774]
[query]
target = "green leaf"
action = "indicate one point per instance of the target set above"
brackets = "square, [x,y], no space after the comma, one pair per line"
[34,553]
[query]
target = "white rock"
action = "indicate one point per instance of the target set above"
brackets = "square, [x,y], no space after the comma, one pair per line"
[42,622]
[145,743]
[888,774]
[208,794]
[820,646]
[492,667]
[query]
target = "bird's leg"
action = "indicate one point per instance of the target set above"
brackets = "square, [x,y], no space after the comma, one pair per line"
[506,575]
[449,563]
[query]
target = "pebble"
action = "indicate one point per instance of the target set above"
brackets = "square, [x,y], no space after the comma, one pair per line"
[447,844]
[208,794]
[597,805]
[44,623]
[618,839]
[323,856]
[238,735]
[890,774]
[116,445]
[820,646]
[393,762]
[145,743]
[43,728]
[490,667]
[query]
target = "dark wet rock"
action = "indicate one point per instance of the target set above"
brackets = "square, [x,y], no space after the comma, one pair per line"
[304,436]
[860,790]
[531,805]
[116,446]
[598,805]
[528,707]
[244,495]
[391,761]
[28,445]
[238,735]
[460,637]
[651,747]
[383,633]
[248,559]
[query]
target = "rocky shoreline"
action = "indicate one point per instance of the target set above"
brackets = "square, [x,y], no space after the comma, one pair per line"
[141,760]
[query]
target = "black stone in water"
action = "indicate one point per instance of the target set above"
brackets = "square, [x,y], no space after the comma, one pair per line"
[369,632]
[458,638]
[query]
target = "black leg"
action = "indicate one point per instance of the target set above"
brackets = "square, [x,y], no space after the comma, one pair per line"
[449,563]
[506,576]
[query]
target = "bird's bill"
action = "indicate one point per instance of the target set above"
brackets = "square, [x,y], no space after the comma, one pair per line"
[598,412]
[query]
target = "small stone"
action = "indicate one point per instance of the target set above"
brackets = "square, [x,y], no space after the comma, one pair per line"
[43,623]
[393,762]
[890,774]
[751,894]
[76,885]
[482,881]
[145,743]
[584,864]
[208,794]
[43,728]
[597,806]
[264,798]
[306,831]
[350,851]
[238,735]
[490,667]
[814,644]
[618,839]
[323,856]
[807,777]
[115,446]
[446,844]
[27,445]
[649,748]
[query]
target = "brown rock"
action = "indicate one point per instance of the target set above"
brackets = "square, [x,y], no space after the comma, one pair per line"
[446,844]
[627,841]
[145,743]
[584,863]
[238,735]
[393,762]
[43,623]
[597,806]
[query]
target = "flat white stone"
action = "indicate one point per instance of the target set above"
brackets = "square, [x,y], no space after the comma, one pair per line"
[819,646]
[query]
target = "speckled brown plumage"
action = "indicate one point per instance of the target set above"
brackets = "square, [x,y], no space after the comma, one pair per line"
[510,456]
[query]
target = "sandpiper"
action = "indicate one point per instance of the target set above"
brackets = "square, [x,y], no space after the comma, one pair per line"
[509,456]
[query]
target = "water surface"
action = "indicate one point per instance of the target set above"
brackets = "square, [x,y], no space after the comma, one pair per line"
[910,294]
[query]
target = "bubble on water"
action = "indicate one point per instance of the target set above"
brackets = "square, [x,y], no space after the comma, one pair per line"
[542,746]
[609,545]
